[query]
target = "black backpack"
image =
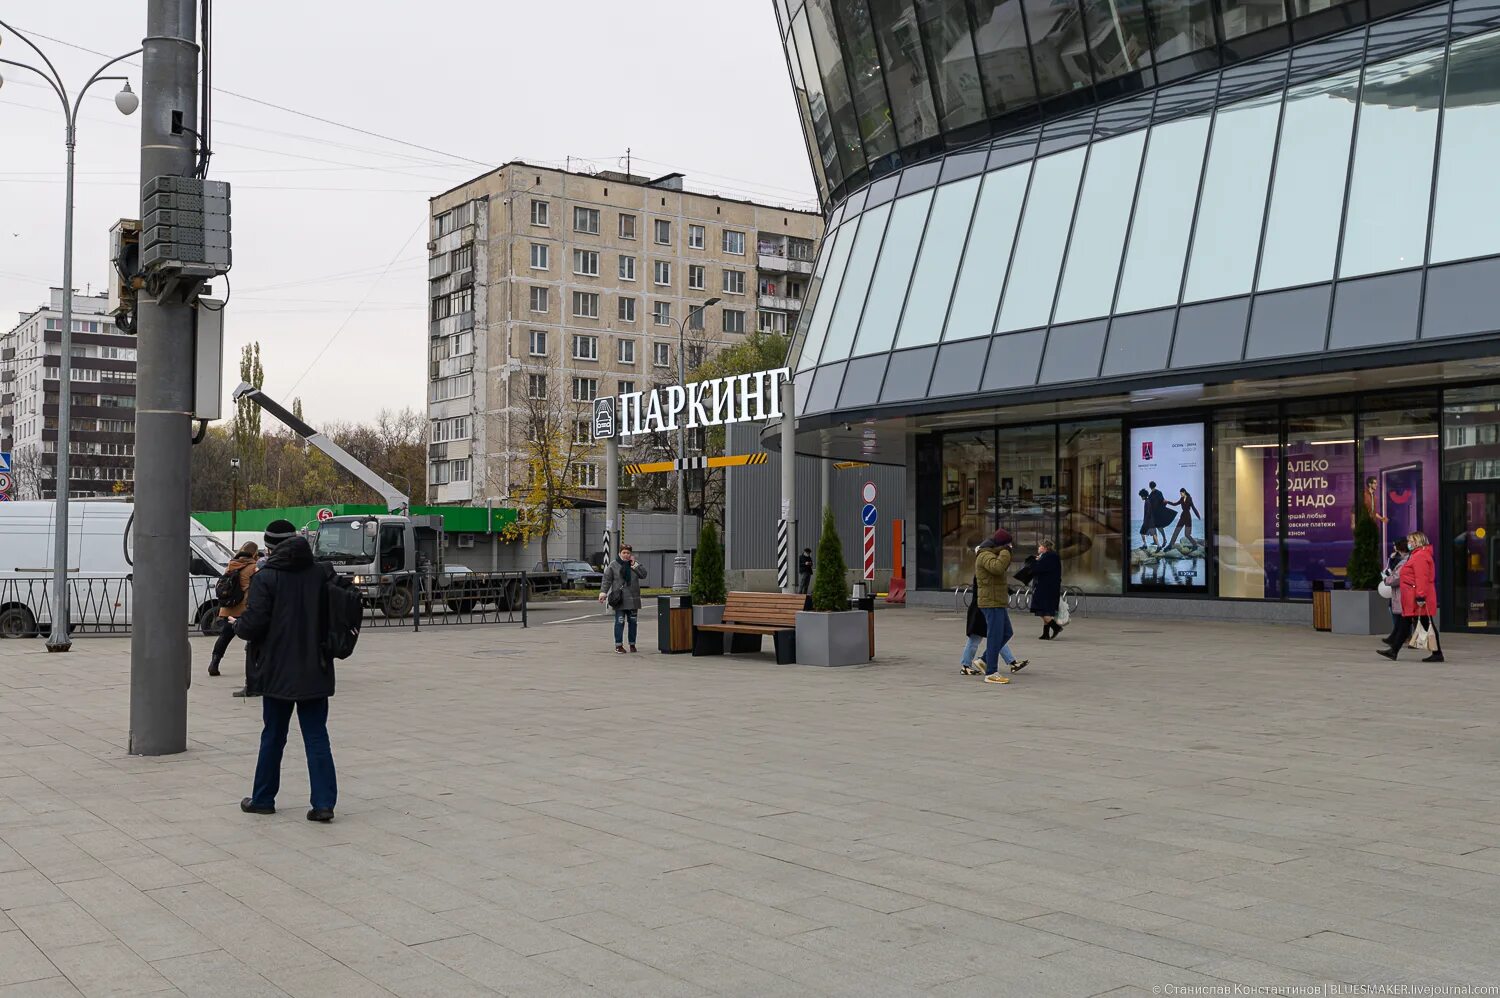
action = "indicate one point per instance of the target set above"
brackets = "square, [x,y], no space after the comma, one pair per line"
[228,590]
[343,614]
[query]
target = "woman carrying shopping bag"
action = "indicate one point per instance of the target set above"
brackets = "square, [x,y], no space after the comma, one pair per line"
[1418,601]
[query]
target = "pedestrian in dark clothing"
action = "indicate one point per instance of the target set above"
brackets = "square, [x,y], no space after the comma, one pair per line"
[277,531]
[243,564]
[804,571]
[1392,582]
[285,624]
[1046,589]
[620,589]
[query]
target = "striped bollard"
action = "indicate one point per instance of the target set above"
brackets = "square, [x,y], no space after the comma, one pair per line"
[783,555]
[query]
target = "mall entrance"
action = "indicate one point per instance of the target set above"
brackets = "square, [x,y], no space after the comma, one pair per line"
[1470,567]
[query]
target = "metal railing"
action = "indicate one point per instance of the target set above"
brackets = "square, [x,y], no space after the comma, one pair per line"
[1020,598]
[102,605]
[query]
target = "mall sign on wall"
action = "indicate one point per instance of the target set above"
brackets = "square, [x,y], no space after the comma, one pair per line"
[736,399]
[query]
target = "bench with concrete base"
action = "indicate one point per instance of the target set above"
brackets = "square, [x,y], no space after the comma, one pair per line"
[749,617]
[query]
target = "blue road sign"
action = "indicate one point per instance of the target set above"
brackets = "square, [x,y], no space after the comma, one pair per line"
[867,514]
[4,462]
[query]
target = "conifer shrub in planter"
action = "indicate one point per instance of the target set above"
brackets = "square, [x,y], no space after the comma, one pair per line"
[708,590]
[830,633]
[1360,609]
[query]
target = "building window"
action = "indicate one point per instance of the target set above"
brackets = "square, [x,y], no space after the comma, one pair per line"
[586,476]
[586,304]
[586,220]
[627,268]
[694,355]
[663,229]
[458,470]
[695,237]
[697,277]
[444,430]
[539,342]
[627,226]
[734,242]
[539,299]
[734,320]
[661,354]
[800,249]
[540,214]
[734,282]
[585,389]
[585,347]
[586,263]
[581,431]
[626,387]
[661,272]
[536,386]
[446,222]
[627,309]
[661,313]
[695,317]
[627,351]
[771,322]
[463,257]
[539,256]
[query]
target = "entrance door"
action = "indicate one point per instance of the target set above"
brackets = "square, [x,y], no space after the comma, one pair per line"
[1471,560]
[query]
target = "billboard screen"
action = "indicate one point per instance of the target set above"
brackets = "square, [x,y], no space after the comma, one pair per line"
[1168,507]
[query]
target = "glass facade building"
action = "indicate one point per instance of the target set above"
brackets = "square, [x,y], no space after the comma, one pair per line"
[1251,249]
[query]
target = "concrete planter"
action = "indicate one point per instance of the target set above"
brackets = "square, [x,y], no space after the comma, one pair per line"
[708,642]
[1360,611]
[833,638]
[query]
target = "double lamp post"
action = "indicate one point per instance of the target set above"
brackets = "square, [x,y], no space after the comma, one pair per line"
[679,563]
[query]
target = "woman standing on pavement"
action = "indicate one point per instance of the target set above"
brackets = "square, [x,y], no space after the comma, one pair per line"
[1046,588]
[621,592]
[1418,597]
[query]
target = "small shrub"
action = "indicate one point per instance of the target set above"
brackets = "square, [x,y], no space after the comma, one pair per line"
[708,568]
[1364,561]
[829,592]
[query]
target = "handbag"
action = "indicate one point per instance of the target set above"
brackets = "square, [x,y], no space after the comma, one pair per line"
[615,598]
[1063,613]
[1419,636]
[1384,589]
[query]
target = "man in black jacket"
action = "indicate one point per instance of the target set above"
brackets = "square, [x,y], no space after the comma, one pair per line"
[804,571]
[284,627]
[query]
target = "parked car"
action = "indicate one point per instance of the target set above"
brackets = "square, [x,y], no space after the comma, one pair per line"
[575,574]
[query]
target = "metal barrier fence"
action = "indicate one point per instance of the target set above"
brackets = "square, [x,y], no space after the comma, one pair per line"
[102,605]
[1019,598]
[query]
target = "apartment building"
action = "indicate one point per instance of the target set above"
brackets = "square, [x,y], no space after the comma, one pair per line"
[102,446]
[547,284]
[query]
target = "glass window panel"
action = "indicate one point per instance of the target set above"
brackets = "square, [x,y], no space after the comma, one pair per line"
[817,102]
[1246,17]
[1090,515]
[855,285]
[908,375]
[1419,30]
[1088,285]
[1057,46]
[1227,235]
[915,178]
[1307,196]
[945,30]
[1004,61]
[942,246]
[870,102]
[1163,215]
[1123,117]
[1043,238]
[1182,27]
[1066,133]
[1026,500]
[882,190]
[804,112]
[968,502]
[1185,99]
[1320,495]
[1119,41]
[1301,8]
[877,330]
[1250,79]
[1399,469]
[825,295]
[1468,199]
[905,64]
[1018,148]
[1386,228]
[1245,530]
[830,56]
[1326,57]
[987,256]
[1471,434]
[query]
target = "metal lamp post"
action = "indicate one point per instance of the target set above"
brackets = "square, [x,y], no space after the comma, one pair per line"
[679,563]
[127,102]
[234,502]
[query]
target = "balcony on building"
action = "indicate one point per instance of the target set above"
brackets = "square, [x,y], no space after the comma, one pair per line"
[782,254]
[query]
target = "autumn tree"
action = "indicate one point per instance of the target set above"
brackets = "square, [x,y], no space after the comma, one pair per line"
[556,447]
[247,434]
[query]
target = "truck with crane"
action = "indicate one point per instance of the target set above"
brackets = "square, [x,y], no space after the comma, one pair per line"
[394,559]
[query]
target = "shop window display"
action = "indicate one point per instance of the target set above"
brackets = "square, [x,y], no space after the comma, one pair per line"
[1090,505]
[968,502]
[1027,498]
[1248,556]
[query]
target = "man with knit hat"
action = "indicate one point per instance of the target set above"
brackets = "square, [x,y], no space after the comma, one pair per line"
[277,531]
[992,564]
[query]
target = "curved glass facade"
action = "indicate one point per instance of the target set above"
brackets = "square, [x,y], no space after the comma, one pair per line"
[883,84]
[1328,195]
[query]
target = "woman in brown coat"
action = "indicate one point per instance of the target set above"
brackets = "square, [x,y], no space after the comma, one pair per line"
[242,565]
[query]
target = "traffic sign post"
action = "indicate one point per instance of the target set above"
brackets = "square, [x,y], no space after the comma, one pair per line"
[868,492]
[5,461]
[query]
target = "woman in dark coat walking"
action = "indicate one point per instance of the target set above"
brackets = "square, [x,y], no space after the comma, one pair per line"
[1046,588]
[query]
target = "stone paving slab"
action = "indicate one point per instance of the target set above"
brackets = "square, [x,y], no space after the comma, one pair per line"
[523,812]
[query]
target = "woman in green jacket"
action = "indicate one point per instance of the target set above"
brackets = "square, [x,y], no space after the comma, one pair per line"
[992,564]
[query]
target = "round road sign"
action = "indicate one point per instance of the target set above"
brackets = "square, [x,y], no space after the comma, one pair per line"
[325,514]
[868,492]
[4,483]
[868,514]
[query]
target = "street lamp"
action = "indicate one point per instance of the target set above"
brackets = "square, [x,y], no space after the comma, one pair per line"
[126,101]
[234,502]
[679,564]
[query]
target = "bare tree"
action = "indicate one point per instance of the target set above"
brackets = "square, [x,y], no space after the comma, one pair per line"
[555,445]
[26,473]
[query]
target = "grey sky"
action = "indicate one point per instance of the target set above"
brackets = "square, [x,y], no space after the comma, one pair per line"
[698,86]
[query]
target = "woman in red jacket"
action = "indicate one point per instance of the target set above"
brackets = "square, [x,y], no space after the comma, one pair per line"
[1418,597]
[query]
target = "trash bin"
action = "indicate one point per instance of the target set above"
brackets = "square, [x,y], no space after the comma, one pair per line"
[867,604]
[1322,606]
[674,624]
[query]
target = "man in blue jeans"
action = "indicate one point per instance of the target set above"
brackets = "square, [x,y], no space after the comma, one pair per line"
[284,626]
[991,565]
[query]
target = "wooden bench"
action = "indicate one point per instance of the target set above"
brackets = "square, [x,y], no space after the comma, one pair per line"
[749,617]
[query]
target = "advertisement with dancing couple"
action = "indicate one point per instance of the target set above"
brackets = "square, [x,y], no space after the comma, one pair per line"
[1167,524]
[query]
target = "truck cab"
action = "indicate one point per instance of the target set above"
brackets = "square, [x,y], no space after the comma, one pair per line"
[387,556]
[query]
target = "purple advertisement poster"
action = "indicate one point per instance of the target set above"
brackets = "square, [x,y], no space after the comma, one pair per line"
[1401,487]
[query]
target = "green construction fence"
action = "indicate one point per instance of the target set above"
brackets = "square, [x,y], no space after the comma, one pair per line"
[456,519]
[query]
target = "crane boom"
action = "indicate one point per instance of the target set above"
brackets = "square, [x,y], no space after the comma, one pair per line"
[396,500]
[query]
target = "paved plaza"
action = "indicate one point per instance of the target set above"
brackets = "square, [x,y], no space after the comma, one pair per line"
[1148,806]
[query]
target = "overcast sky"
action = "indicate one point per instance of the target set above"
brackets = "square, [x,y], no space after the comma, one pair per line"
[328,222]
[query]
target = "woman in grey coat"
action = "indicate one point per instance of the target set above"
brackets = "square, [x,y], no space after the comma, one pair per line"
[621,591]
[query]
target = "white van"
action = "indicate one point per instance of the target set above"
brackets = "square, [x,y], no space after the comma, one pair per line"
[100,553]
